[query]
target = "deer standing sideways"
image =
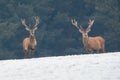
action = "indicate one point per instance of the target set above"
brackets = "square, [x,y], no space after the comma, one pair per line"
[90,43]
[29,43]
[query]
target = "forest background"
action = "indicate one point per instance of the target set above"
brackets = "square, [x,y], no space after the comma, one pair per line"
[56,36]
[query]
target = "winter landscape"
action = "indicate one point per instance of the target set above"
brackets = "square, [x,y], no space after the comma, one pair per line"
[104,66]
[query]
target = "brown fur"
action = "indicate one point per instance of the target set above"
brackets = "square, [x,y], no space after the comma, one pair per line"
[29,47]
[94,43]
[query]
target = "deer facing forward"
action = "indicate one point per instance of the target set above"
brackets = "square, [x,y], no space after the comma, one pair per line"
[29,43]
[90,43]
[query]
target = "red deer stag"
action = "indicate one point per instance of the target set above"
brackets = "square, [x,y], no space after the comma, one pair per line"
[29,43]
[90,43]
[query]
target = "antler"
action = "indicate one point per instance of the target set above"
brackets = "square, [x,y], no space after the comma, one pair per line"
[90,23]
[24,23]
[74,22]
[36,22]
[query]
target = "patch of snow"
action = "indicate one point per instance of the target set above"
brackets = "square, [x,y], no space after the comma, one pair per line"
[76,67]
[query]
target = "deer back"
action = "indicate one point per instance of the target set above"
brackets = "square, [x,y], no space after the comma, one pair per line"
[96,43]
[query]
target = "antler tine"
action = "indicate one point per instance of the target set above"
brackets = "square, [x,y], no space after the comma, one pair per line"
[90,23]
[36,21]
[81,28]
[74,22]
[24,23]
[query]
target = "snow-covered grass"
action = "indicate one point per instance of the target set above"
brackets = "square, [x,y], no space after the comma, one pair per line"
[77,67]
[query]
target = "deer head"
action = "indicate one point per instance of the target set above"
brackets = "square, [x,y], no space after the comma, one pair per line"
[81,30]
[32,31]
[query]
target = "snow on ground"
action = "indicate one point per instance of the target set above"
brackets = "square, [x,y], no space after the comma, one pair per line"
[77,67]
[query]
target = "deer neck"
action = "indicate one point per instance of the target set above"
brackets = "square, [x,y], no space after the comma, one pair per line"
[32,38]
[32,43]
[85,41]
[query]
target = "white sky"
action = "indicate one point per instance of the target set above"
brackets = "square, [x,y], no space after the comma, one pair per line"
[77,67]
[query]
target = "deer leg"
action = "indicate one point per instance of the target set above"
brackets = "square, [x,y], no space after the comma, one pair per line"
[26,54]
[32,52]
[29,54]
[97,51]
[103,50]
[89,51]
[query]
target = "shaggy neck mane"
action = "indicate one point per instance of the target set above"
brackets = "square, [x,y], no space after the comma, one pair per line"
[85,42]
[32,38]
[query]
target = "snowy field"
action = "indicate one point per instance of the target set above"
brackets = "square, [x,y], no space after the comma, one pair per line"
[76,67]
